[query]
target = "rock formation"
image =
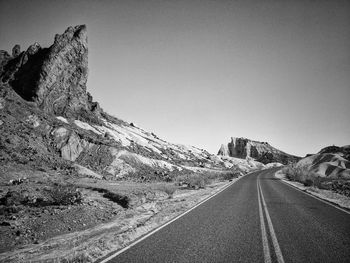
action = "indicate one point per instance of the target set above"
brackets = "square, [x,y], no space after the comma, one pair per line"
[260,151]
[54,78]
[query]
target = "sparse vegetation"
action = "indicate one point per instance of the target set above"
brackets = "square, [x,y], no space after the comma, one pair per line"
[194,181]
[303,175]
[169,189]
[64,195]
[73,258]
[230,175]
[298,173]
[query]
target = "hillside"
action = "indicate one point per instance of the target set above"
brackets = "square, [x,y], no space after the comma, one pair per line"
[65,162]
[50,121]
[331,162]
[260,151]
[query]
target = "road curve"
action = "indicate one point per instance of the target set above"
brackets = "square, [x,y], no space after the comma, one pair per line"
[257,219]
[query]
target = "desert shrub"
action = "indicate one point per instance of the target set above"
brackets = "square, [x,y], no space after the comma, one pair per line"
[308,182]
[296,173]
[64,195]
[230,175]
[304,175]
[340,187]
[169,189]
[197,181]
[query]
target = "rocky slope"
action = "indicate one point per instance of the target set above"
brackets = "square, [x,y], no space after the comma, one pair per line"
[259,151]
[50,122]
[331,162]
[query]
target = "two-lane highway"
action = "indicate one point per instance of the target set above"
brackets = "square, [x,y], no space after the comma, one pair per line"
[257,219]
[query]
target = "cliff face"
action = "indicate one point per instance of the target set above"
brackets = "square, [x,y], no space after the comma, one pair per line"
[260,151]
[55,77]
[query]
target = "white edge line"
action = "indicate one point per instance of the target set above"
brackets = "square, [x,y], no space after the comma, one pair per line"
[316,197]
[272,231]
[266,248]
[169,222]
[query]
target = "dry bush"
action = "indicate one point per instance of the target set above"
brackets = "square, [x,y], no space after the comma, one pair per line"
[169,189]
[64,195]
[197,181]
[302,174]
[230,175]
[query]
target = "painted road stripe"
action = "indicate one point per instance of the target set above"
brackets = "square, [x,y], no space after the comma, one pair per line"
[272,231]
[167,223]
[267,256]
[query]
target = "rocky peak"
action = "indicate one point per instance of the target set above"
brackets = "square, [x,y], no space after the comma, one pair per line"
[260,151]
[16,50]
[55,77]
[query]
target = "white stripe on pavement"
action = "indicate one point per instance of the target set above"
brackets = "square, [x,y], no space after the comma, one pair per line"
[272,231]
[265,242]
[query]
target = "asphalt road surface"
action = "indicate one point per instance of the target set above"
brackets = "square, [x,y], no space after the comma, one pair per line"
[257,219]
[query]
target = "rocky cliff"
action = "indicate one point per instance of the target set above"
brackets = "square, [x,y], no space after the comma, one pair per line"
[260,151]
[54,78]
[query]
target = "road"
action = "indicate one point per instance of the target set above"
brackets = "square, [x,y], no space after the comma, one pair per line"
[257,219]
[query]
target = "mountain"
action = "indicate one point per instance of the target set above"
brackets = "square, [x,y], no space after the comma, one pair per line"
[48,121]
[260,151]
[332,162]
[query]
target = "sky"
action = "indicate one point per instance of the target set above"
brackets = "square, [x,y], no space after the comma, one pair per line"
[200,72]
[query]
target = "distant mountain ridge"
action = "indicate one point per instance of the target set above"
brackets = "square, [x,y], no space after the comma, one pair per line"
[260,151]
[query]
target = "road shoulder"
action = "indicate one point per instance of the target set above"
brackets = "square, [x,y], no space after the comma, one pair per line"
[335,199]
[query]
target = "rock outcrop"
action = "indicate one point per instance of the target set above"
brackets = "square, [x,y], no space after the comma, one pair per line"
[332,162]
[54,78]
[260,151]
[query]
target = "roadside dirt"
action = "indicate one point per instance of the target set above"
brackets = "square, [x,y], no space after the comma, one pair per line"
[90,229]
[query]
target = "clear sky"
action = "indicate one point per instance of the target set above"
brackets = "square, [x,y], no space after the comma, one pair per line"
[199,72]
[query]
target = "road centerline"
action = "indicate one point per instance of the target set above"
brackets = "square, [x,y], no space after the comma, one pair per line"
[266,249]
[275,243]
